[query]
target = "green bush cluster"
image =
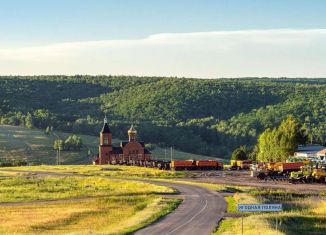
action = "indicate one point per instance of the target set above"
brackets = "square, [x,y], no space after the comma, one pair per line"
[13,163]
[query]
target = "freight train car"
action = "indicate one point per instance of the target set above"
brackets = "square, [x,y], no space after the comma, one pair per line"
[196,165]
[179,165]
[209,165]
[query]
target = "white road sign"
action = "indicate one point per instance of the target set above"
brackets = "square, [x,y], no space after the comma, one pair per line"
[259,207]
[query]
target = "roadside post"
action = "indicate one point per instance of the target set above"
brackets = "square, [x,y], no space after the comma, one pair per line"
[259,208]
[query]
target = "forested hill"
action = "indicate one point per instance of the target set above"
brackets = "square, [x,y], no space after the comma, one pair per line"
[197,115]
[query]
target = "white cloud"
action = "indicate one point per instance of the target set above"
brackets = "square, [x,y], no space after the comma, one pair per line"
[279,52]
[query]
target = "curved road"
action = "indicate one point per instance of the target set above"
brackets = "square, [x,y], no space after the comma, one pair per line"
[198,214]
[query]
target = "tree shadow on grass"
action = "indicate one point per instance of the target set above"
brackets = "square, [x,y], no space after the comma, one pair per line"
[300,224]
[231,190]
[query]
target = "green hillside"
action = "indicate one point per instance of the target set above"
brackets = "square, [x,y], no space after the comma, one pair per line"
[35,146]
[208,117]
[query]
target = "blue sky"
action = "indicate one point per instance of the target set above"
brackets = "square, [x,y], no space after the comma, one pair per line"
[79,20]
[40,24]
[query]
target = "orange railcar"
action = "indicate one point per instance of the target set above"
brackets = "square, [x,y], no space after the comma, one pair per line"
[196,165]
[183,165]
[209,165]
[290,166]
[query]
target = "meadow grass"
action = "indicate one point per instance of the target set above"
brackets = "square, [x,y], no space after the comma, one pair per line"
[79,205]
[231,204]
[302,214]
[215,187]
[23,189]
[113,171]
[34,146]
[108,215]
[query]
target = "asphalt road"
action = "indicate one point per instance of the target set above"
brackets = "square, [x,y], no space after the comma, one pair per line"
[198,214]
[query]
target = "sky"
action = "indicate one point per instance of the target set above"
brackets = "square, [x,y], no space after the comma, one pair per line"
[184,38]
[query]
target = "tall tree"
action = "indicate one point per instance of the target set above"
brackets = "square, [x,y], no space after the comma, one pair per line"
[240,153]
[47,130]
[73,142]
[280,143]
[58,146]
[29,121]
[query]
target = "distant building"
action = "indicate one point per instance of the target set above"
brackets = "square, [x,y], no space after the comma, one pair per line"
[322,154]
[131,150]
[308,151]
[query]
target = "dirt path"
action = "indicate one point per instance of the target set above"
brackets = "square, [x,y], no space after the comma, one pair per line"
[243,178]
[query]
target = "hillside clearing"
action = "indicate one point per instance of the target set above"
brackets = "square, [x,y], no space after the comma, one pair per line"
[34,146]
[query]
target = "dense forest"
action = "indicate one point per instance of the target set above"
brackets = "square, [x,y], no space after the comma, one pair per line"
[211,117]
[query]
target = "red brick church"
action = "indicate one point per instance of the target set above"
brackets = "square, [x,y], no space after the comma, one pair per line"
[127,153]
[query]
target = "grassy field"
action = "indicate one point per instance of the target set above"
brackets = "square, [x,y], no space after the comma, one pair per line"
[302,214]
[34,145]
[113,171]
[27,188]
[79,205]
[113,215]
[96,194]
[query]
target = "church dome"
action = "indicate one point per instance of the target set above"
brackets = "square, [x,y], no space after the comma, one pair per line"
[132,130]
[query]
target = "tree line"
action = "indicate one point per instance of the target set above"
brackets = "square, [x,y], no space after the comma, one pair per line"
[211,117]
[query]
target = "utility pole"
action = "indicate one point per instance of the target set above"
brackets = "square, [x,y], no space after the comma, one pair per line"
[56,147]
[171,153]
[165,154]
[311,138]
[309,127]
[59,155]
[59,148]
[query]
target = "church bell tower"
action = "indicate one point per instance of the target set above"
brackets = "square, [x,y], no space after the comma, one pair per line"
[105,144]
